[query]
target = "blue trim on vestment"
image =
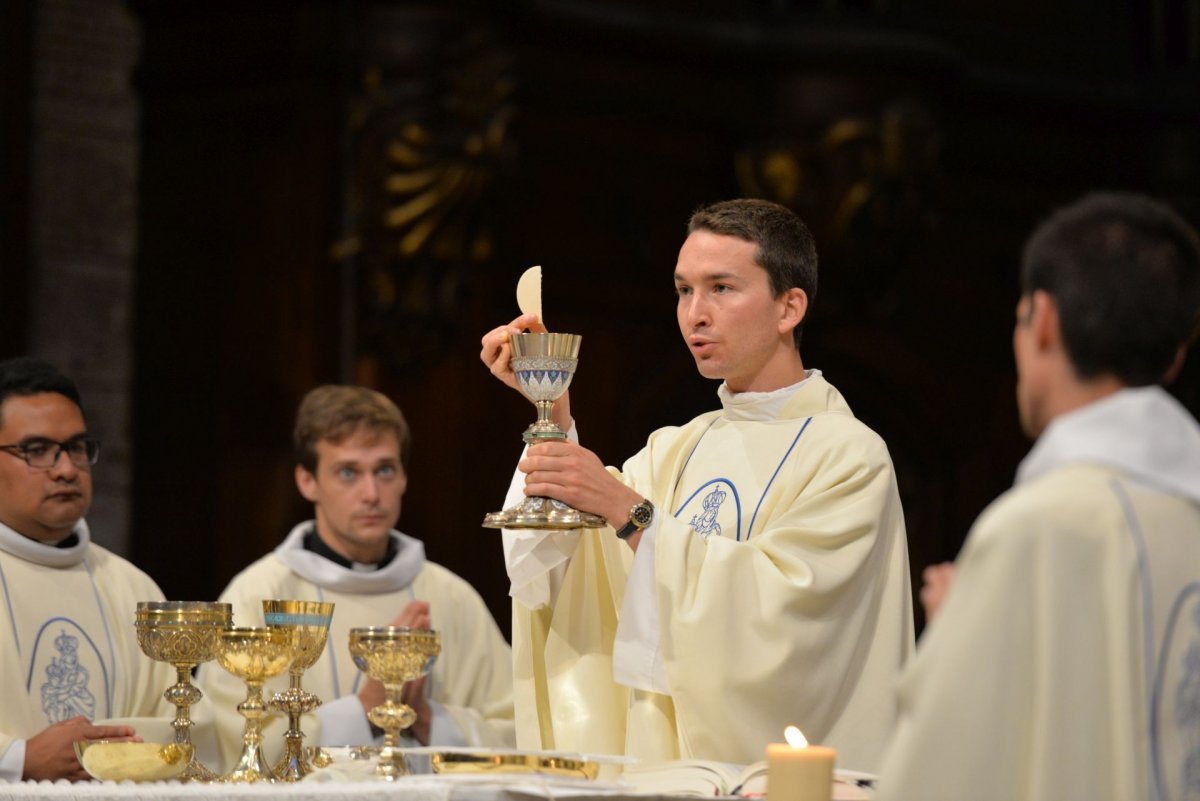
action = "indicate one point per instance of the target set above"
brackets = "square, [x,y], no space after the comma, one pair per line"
[1139,544]
[737,499]
[773,475]
[112,650]
[12,618]
[1159,678]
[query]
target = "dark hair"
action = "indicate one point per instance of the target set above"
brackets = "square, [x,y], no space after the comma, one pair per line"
[336,412]
[25,376]
[1124,271]
[786,249]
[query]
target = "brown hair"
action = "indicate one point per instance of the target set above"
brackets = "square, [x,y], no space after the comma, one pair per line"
[785,246]
[334,413]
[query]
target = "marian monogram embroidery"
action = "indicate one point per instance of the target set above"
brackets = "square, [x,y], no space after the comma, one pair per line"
[705,524]
[65,693]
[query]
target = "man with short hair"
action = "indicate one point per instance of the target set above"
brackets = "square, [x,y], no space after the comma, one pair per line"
[68,652]
[755,571]
[1065,659]
[352,452]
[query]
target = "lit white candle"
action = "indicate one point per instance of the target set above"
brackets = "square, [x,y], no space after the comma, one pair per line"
[797,771]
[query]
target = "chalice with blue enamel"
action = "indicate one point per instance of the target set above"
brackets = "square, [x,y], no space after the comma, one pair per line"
[308,621]
[544,365]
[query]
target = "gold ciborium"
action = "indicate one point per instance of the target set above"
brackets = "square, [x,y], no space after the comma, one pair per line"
[183,633]
[254,655]
[393,655]
[544,365]
[309,622]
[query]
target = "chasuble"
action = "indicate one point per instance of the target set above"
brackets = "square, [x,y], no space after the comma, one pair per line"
[1065,661]
[774,591]
[68,645]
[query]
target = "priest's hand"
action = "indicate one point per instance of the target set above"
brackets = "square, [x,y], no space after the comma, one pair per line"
[937,580]
[50,754]
[414,616]
[569,472]
[496,353]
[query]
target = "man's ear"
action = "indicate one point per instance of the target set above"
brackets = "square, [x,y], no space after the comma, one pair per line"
[306,482]
[795,309]
[1044,320]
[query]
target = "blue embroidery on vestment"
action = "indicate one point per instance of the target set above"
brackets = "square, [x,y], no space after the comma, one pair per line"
[65,693]
[705,524]
[1187,714]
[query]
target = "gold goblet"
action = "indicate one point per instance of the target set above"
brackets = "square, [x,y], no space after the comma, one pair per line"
[393,655]
[544,365]
[254,655]
[183,633]
[309,621]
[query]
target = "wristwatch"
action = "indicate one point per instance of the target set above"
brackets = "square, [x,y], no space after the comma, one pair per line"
[640,516]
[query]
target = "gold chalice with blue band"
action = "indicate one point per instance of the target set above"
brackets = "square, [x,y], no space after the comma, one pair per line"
[393,655]
[544,365]
[309,621]
[183,633]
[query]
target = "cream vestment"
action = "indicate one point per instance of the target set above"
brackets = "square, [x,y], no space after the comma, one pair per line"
[470,686]
[771,589]
[67,643]
[1065,661]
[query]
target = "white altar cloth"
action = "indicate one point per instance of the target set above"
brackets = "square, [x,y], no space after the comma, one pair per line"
[411,788]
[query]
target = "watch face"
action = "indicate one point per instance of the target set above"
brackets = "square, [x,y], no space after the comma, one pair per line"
[642,514]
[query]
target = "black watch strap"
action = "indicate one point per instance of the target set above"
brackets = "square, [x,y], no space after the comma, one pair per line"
[640,516]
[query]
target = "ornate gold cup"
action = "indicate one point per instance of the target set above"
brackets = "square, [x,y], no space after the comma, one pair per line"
[393,656]
[544,365]
[309,622]
[183,633]
[254,655]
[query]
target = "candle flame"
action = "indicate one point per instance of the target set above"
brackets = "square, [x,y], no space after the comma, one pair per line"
[795,737]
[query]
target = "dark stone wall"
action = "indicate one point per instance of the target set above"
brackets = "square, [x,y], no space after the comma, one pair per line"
[349,191]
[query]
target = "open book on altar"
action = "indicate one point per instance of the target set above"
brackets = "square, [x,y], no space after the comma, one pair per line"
[700,777]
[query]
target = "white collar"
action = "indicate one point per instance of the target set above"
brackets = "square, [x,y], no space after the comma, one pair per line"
[759,406]
[396,575]
[39,553]
[1143,432]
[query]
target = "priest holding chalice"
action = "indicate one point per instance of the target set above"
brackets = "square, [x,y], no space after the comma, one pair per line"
[752,569]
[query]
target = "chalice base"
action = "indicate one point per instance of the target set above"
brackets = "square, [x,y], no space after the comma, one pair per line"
[196,771]
[252,767]
[537,512]
[391,764]
[295,764]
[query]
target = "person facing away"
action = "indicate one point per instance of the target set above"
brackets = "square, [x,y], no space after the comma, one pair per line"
[1065,659]
[68,650]
[754,573]
[352,453]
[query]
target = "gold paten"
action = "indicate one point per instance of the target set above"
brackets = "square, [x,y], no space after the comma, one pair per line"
[479,762]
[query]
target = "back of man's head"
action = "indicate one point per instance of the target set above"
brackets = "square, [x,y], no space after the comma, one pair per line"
[1124,272]
[25,376]
[331,412]
[786,249]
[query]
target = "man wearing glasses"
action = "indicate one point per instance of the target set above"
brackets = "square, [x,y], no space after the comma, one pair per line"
[68,654]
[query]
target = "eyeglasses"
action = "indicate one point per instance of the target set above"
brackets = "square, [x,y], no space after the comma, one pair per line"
[44,453]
